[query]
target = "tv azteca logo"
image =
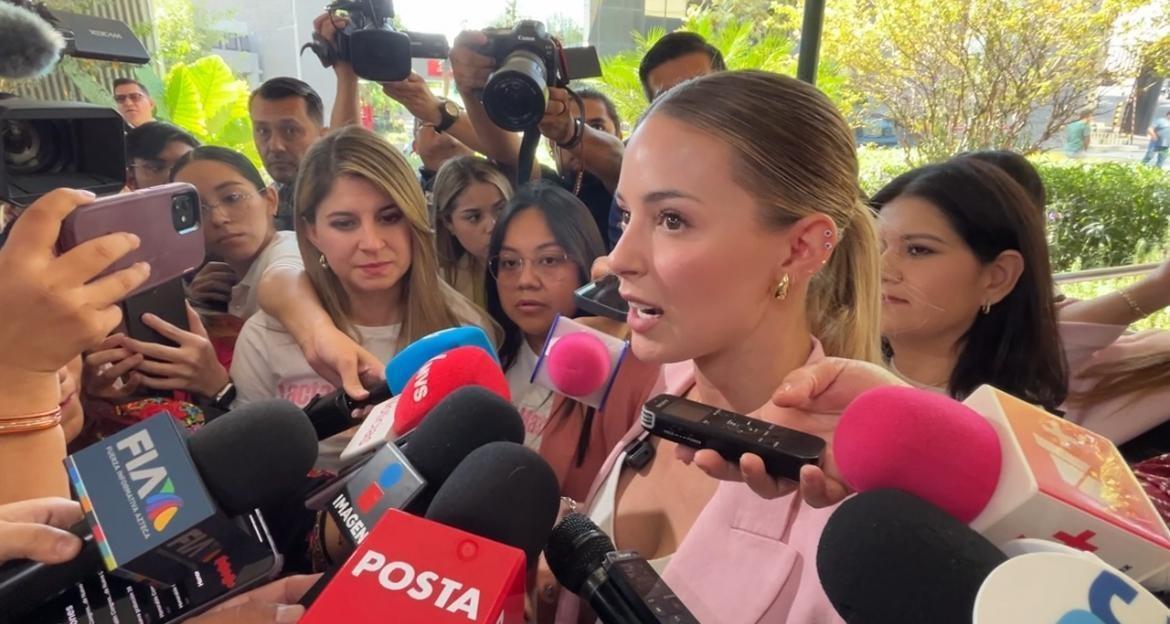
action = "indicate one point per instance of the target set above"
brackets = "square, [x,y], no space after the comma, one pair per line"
[155,489]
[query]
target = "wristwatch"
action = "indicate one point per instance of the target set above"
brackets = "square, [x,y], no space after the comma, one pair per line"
[448,115]
[223,399]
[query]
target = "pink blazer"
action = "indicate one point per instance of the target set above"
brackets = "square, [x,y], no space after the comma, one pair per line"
[746,560]
[1124,417]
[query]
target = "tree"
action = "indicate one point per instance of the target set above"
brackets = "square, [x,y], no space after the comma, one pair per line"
[960,75]
[565,28]
[184,32]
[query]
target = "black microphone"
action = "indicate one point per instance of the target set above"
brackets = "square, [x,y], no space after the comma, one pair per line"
[30,47]
[888,557]
[621,586]
[408,478]
[155,500]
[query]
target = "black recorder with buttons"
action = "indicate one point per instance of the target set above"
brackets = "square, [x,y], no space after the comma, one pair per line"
[699,426]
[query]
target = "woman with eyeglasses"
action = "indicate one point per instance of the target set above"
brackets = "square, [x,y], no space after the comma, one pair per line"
[540,252]
[468,195]
[237,211]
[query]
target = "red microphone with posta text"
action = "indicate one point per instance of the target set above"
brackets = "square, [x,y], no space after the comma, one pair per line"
[1007,468]
[465,562]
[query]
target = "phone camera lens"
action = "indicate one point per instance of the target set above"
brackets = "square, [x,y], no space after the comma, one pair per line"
[183,215]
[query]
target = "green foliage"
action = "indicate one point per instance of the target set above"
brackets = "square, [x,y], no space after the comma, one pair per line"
[1106,214]
[184,31]
[205,98]
[960,75]
[1097,288]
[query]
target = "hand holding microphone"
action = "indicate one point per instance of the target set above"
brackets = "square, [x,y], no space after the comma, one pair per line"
[811,399]
[33,529]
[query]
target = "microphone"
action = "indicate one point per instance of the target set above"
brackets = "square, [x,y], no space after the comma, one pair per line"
[465,562]
[1053,479]
[407,479]
[30,47]
[888,557]
[332,413]
[432,383]
[155,501]
[1065,588]
[579,362]
[621,586]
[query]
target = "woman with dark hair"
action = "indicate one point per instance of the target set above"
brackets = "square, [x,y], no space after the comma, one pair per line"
[966,284]
[540,252]
[237,211]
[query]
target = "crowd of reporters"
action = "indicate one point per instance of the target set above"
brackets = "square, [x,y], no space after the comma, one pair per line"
[758,281]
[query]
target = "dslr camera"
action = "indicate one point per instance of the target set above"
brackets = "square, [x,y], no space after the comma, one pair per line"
[528,62]
[368,42]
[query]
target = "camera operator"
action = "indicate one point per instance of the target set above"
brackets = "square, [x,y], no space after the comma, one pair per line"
[434,148]
[442,116]
[52,312]
[288,116]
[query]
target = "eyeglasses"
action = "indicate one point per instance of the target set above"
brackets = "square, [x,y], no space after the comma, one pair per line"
[232,202]
[508,268]
[133,97]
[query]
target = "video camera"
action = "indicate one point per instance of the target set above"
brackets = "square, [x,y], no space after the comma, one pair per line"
[528,62]
[368,42]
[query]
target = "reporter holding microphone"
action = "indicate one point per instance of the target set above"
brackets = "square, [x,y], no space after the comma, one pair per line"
[746,256]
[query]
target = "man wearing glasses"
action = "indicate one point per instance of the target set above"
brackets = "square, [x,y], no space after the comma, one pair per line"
[152,150]
[133,102]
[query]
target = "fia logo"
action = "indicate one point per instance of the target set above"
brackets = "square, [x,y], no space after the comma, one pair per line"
[155,488]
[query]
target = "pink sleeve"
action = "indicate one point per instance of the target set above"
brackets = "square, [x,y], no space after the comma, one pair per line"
[1124,417]
[1081,340]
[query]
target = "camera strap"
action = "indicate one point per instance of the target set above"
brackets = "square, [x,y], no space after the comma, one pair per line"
[527,155]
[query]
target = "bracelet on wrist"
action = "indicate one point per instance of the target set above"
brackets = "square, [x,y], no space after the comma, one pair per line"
[1132,304]
[33,422]
[578,134]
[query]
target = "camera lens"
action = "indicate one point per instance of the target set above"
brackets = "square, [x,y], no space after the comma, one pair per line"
[29,146]
[517,93]
[184,214]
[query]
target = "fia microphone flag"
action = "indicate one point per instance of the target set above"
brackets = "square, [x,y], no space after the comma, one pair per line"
[411,569]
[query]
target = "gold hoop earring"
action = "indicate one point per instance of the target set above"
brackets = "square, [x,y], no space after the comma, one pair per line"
[323,262]
[782,288]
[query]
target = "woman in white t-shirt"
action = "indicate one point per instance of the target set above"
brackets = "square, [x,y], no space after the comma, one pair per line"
[540,252]
[368,250]
[468,196]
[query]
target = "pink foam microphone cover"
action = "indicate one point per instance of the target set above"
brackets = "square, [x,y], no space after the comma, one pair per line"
[578,364]
[920,442]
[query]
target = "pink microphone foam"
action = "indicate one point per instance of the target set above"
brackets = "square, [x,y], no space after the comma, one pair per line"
[578,364]
[920,442]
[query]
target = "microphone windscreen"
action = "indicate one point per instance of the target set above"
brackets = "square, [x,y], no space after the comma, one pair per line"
[576,548]
[439,377]
[923,443]
[30,47]
[505,492]
[890,557]
[404,365]
[255,456]
[467,419]
[578,364]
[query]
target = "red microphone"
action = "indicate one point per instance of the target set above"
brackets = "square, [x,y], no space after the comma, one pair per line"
[466,562]
[442,375]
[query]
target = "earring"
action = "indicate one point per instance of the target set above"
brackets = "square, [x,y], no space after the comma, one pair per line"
[828,245]
[324,263]
[782,289]
[828,233]
[986,308]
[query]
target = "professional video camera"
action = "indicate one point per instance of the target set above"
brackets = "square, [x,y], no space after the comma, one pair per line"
[368,42]
[46,145]
[528,62]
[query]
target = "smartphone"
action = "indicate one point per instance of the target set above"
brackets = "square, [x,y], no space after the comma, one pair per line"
[107,599]
[167,301]
[601,298]
[165,218]
[700,426]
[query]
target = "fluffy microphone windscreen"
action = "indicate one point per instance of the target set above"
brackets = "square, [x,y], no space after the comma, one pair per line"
[255,456]
[888,557]
[576,548]
[578,364]
[467,419]
[505,492]
[439,377]
[924,443]
[29,46]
